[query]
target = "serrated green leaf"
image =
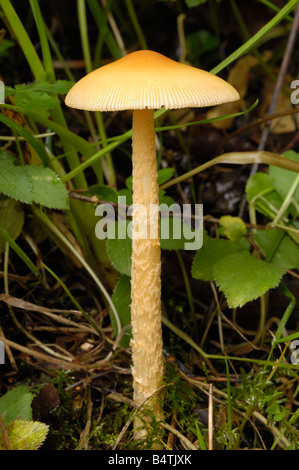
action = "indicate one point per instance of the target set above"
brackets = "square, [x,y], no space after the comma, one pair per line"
[25,435]
[243,278]
[35,99]
[120,249]
[31,183]
[47,189]
[210,253]
[60,87]
[41,85]
[14,181]
[234,227]
[121,298]
[16,404]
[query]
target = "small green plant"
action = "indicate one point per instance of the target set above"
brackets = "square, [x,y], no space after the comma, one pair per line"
[18,431]
[245,263]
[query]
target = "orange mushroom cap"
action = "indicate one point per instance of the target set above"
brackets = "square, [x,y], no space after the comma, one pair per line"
[148,80]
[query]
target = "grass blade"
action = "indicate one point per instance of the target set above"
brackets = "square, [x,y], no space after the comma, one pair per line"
[239,158]
[28,137]
[18,250]
[242,50]
[23,38]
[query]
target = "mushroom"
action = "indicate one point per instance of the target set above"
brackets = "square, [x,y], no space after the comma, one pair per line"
[143,81]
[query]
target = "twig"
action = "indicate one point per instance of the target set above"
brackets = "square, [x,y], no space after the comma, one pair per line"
[85,433]
[32,338]
[257,122]
[181,36]
[36,136]
[126,426]
[115,30]
[43,357]
[188,444]
[281,76]
[28,306]
[170,440]
[210,419]
[6,441]
[8,351]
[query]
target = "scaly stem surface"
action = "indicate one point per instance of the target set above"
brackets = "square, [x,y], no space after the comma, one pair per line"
[146,269]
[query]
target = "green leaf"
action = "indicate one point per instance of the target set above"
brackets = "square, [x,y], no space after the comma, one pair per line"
[40,95]
[11,218]
[195,3]
[129,183]
[283,179]
[104,193]
[173,234]
[60,87]
[5,45]
[211,252]
[234,227]
[165,199]
[243,278]
[121,298]
[262,193]
[278,413]
[127,193]
[32,183]
[20,130]
[164,174]
[278,247]
[42,85]
[47,189]
[14,181]
[120,249]
[16,404]
[25,435]
[19,251]
[200,42]
[35,99]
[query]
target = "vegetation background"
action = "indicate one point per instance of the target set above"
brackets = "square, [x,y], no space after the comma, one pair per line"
[230,310]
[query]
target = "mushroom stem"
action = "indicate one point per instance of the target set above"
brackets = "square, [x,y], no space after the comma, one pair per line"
[146,342]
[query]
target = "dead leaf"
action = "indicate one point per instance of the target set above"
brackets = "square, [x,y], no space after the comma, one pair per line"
[239,79]
[285,124]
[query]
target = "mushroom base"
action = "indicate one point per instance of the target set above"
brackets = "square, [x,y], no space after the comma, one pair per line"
[146,341]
